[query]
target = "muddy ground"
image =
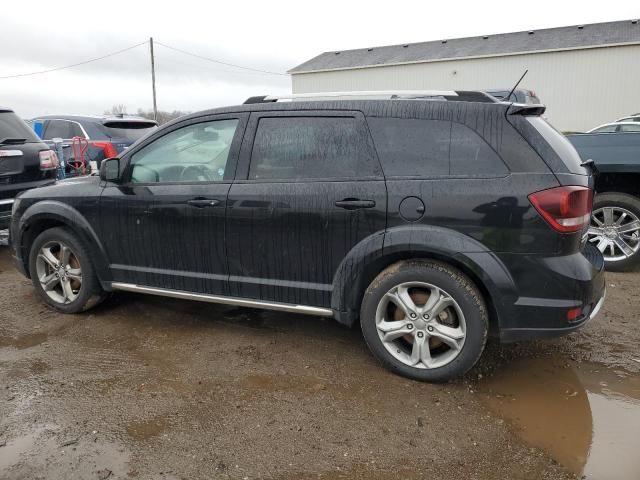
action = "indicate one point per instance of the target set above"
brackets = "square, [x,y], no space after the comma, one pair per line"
[145,387]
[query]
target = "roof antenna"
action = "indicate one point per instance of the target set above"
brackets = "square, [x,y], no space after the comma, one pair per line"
[516,85]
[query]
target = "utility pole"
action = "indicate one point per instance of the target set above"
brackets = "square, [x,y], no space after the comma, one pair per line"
[153,80]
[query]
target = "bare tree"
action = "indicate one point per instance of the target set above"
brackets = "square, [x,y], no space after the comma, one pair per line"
[119,109]
[163,117]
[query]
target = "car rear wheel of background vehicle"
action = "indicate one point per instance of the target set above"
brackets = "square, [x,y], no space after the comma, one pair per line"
[424,320]
[62,272]
[615,230]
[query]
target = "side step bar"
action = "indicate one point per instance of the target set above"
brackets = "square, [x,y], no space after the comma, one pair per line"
[240,302]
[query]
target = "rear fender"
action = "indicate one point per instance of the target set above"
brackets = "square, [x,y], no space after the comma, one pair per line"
[373,254]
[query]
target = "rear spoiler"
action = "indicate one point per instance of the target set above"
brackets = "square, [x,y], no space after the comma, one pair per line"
[526,110]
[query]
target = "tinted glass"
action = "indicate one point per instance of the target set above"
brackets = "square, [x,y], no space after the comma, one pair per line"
[409,147]
[196,153]
[57,129]
[127,131]
[607,129]
[75,130]
[12,126]
[471,156]
[629,128]
[296,148]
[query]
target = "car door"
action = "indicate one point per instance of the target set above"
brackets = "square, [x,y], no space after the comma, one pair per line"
[309,188]
[163,226]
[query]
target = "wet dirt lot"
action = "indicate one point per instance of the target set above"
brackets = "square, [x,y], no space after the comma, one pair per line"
[145,387]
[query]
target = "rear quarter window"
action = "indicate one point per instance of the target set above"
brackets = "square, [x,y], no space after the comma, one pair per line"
[432,148]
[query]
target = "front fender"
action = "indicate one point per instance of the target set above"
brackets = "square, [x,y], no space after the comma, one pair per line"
[373,254]
[46,211]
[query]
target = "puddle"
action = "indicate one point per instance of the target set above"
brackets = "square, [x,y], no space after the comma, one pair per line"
[13,451]
[26,341]
[585,416]
[146,429]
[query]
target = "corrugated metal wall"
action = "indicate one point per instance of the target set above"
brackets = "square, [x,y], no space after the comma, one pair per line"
[581,88]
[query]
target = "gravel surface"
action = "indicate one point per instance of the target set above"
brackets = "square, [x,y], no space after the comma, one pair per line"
[146,387]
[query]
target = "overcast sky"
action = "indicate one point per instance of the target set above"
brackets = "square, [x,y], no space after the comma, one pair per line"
[266,35]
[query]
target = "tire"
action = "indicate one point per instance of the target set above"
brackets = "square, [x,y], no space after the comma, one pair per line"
[46,251]
[465,313]
[605,235]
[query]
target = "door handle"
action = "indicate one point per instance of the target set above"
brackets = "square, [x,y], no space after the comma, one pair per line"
[203,202]
[355,204]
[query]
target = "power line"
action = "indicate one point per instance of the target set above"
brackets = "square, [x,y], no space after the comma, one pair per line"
[74,64]
[218,61]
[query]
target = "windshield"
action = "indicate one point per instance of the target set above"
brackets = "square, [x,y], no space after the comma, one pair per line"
[130,131]
[12,126]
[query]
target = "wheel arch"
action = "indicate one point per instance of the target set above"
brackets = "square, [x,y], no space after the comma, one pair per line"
[48,214]
[427,243]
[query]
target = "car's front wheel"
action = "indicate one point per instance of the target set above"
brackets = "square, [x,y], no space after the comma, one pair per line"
[424,320]
[62,272]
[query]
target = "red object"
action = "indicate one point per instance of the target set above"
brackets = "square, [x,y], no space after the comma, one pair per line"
[566,209]
[48,160]
[78,162]
[573,314]
[108,148]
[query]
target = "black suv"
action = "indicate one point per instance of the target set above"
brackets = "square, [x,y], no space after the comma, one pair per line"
[25,162]
[434,222]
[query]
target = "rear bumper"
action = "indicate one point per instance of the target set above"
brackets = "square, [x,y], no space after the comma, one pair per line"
[516,334]
[548,289]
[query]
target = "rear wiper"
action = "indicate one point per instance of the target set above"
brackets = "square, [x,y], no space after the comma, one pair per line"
[12,141]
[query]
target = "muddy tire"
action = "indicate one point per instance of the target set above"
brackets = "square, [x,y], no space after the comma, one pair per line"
[615,230]
[424,320]
[62,272]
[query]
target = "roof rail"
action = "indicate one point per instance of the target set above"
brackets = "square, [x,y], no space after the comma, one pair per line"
[450,95]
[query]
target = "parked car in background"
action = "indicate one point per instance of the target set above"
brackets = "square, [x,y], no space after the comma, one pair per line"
[615,224]
[631,118]
[617,127]
[519,95]
[410,216]
[106,136]
[25,162]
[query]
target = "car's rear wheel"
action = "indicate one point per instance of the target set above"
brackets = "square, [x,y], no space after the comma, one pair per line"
[615,230]
[424,320]
[62,272]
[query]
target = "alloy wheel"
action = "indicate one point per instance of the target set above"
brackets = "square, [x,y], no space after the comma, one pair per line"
[421,325]
[59,272]
[615,231]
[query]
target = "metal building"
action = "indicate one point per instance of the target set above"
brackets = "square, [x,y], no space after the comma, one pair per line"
[585,74]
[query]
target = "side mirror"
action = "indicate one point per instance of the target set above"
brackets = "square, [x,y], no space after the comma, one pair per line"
[110,170]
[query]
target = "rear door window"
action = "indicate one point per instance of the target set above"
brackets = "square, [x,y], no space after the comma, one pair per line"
[308,148]
[58,129]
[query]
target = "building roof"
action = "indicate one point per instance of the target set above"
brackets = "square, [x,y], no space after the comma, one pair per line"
[548,39]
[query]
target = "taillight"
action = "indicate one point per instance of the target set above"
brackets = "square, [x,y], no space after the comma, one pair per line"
[48,160]
[107,147]
[566,209]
